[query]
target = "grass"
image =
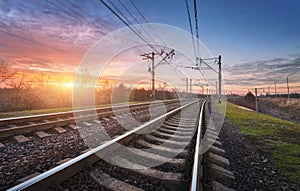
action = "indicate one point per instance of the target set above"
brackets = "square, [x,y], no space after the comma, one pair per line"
[280,139]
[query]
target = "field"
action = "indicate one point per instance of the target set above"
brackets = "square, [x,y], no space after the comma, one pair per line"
[279,139]
[282,108]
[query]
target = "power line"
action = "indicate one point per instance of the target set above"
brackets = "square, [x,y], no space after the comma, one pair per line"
[127,24]
[72,16]
[128,11]
[78,7]
[196,27]
[120,12]
[191,27]
[141,14]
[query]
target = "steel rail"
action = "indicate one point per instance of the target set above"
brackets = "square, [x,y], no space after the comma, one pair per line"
[6,132]
[196,173]
[60,114]
[64,171]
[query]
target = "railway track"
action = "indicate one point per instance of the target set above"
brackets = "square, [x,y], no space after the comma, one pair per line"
[161,154]
[20,125]
[21,160]
[152,156]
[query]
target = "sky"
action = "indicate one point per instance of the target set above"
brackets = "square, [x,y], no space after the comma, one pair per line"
[259,40]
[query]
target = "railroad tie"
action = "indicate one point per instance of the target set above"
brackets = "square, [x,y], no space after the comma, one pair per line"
[41,134]
[21,139]
[109,182]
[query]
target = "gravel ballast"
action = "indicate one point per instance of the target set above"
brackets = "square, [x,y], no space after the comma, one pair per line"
[39,155]
[252,169]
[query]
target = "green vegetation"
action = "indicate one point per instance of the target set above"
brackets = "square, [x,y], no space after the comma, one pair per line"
[280,139]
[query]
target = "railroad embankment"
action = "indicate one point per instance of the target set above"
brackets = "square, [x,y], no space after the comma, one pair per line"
[280,107]
[264,151]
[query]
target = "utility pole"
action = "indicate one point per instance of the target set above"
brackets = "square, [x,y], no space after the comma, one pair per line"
[218,59]
[288,88]
[216,88]
[256,97]
[151,57]
[207,92]
[269,91]
[187,85]
[220,80]
[191,85]
[256,100]
[275,90]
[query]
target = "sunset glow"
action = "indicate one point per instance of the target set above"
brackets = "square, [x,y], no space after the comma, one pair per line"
[51,38]
[69,84]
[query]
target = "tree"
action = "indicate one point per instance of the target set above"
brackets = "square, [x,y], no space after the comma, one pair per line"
[250,97]
[5,75]
[120,93]
[17,84]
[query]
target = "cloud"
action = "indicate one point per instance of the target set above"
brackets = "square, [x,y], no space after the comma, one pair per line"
[263,72]
[54,32]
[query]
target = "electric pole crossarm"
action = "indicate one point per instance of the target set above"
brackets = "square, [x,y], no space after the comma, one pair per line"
[171,53]
[210,67]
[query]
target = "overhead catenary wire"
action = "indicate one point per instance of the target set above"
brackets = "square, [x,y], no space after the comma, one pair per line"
[191,28]
[135,19]
[196,28]
[146,21]
[78,7]
[72,13]
[85,14]
[196,47]
[127,24]
[72,16]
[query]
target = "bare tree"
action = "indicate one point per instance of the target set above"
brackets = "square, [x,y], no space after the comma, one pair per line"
[5,75]
[16,83]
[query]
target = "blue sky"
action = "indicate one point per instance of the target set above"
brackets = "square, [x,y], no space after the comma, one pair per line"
[55,34]
[241,30]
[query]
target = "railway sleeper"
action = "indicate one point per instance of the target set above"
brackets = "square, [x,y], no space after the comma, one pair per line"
[182,122]
[164,151]
[168,143]
[171,180]
[148,158]
[109,182]
[174,136]
[187,125]
[171,132]
[180,128]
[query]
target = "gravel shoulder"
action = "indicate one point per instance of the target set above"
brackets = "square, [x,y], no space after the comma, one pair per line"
[253,170]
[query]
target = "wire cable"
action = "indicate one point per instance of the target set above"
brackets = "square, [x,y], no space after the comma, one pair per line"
[191,27]
[126,23]
[196,27]
[146,21]
[128,11]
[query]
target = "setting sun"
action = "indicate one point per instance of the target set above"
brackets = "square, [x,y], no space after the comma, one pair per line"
[68,84]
